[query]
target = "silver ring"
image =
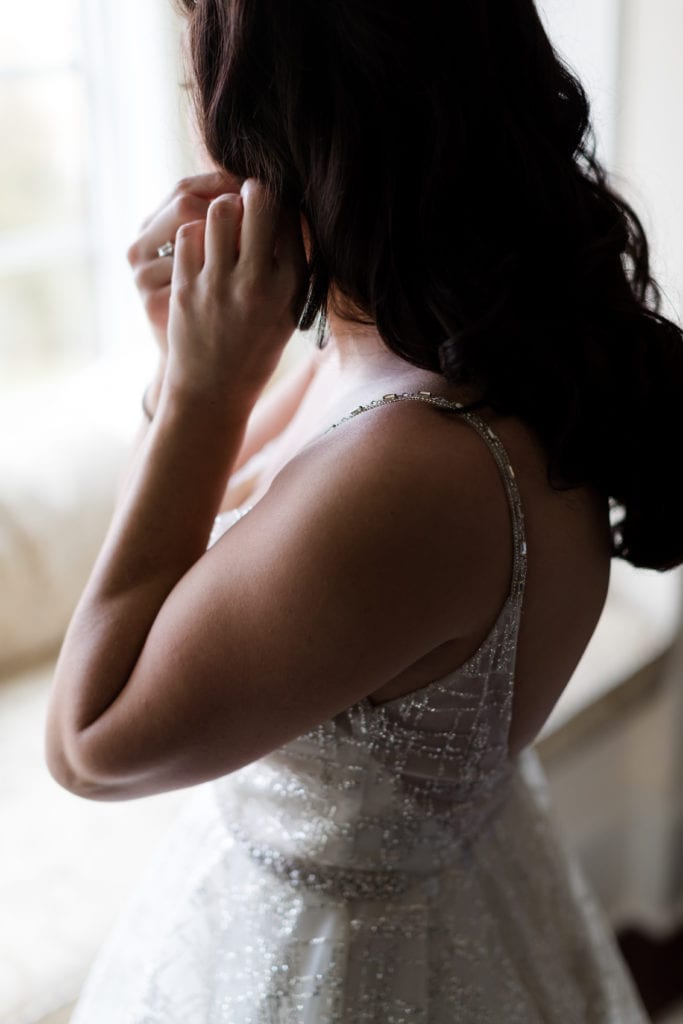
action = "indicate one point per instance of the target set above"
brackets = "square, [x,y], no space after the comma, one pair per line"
[165,250]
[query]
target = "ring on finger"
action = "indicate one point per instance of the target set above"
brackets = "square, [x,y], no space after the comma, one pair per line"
[165,250]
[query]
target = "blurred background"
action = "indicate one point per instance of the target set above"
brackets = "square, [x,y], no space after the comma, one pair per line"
[95,132]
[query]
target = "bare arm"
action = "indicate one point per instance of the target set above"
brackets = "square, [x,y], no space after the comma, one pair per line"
[184,661]
[189,201]
[182,665]
[269,417]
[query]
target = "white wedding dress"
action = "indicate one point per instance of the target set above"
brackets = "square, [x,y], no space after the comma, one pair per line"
[391,866]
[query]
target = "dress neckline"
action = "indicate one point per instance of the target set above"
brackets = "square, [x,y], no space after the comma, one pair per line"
[397,396]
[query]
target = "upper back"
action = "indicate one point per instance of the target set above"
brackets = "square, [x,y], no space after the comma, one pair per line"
[567,557]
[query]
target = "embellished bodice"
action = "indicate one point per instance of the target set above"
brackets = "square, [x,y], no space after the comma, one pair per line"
[381,796]
[393,865]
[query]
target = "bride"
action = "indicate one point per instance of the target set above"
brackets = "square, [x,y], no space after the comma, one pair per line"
[342,608]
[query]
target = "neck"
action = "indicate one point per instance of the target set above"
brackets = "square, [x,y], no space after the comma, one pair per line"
[358,354]
[358,365]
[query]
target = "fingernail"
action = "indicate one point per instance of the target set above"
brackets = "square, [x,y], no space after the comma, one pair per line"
[225,204]
[248,184]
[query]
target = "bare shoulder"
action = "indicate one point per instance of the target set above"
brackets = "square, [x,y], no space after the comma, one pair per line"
[416,489]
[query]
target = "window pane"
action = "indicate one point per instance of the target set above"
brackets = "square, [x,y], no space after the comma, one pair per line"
[46,323]
[43,170]
[40,32]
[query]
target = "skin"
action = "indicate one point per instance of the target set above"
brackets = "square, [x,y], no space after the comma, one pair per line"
[180,664]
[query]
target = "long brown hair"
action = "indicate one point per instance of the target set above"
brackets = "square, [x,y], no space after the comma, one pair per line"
[443,157]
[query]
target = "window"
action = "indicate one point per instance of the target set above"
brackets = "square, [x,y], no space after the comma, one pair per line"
[46,274]
[587,34]
[92,119]
[596,39]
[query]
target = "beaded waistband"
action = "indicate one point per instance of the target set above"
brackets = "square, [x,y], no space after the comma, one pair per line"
[331,880]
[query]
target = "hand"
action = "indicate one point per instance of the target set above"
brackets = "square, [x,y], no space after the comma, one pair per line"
[237,290]
[188,201]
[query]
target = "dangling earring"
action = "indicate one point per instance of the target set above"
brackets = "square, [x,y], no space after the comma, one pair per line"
[322,331]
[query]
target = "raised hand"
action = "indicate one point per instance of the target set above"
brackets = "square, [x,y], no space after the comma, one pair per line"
[237,289]
[189,201]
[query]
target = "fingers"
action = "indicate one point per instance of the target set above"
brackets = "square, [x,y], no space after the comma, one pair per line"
[187,201]
[212,184]
[206,186]
[259,228]
[259,242]
[163,227]
[188,258]
[223,234]
[153,274]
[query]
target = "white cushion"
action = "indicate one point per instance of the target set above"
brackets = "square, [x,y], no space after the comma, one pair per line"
[61,457]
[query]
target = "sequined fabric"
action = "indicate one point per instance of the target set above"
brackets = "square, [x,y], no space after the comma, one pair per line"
[392,865]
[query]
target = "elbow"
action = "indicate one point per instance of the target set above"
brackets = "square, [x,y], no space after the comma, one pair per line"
[70,773]
[66,777]
[79,768]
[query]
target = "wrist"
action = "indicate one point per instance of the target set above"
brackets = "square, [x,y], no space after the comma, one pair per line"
[230,398]
[212,406]
[152,393]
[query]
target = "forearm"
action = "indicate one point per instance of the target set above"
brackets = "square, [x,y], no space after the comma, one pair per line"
[159,530]
[231,312]
[272,412]
[152,398]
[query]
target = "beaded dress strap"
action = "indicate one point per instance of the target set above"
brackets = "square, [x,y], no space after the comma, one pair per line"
[499,453]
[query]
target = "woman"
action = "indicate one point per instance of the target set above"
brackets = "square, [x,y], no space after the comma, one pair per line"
[387,611]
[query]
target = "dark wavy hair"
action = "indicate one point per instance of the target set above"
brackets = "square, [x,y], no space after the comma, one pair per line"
[444,159]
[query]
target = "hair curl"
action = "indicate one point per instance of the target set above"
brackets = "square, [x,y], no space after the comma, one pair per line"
[450,183]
